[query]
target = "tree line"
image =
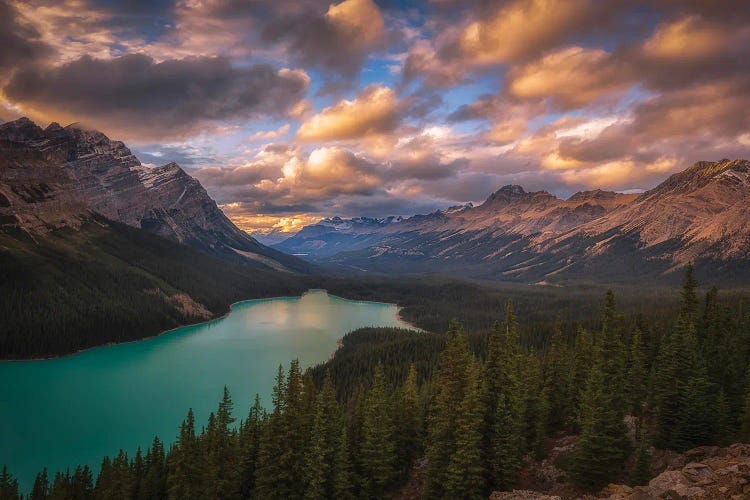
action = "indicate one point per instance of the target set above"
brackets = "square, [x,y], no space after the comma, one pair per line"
[467,410]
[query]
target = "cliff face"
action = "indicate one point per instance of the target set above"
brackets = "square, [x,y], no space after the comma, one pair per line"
[58,177]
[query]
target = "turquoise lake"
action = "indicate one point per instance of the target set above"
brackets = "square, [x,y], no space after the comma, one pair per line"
[74,410]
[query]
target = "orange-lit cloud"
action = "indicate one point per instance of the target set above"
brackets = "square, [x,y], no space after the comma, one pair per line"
[375,110]
[572,77]
[520,28]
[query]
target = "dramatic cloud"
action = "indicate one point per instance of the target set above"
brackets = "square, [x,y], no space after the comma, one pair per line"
[395,107]
[571,77]
[20,42]
[375,110]
[521,28]
[166,99]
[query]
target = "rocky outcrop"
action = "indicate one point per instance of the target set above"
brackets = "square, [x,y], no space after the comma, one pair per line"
[60,176]
[708,472]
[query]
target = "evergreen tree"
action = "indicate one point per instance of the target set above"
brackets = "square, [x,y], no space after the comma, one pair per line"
[602,445]
[450,388]
[40,490]
[324,442]
[154,486]
[272,481]
[636,382]
[8,485]
[249,444]
[466,471]
[505,457]
[408,422]
[642,470]
[342,470]
[183,479]
[377,451]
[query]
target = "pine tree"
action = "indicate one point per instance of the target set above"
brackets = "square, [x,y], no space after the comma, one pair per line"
[223,453]
[272,480]
[466,472]
[503,383]
[682,389]
[377,451]
[82,483]
[40,490]
[342,472]
[183,479]
[408,422]
[642,470]
[154,485]
[505,457]
[602,446]
[8,485]
[450,387]
[541,423]
[636,382]
[249,444]
[321,450]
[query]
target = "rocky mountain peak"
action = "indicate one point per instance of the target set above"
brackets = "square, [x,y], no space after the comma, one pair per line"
[21,130]
[59,177]
[505,195]
[700,175]
[593,195]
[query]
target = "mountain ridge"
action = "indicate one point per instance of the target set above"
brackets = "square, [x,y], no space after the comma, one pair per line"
[698,215]
[59,176]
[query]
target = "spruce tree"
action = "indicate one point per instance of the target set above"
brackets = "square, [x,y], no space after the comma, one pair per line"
[271,480]
[505,457]
[249,446]
[343,482]
[602,445]
[408,422]
[377,451]
[642,469]
[323,444]
[183,479]
[466,471]
[450,387]
[40,490]
[636,382]
[8,485]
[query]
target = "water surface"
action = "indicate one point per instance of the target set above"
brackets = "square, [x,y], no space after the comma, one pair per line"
[61,412]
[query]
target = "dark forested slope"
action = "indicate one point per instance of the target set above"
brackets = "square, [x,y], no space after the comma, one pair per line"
[107,282]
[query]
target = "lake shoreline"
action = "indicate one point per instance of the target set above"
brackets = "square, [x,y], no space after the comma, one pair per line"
[206,322]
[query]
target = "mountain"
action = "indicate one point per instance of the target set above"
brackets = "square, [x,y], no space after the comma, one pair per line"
[333,235]
[700,215]
[60,177]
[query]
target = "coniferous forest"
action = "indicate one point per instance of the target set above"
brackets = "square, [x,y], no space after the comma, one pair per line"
[460,411]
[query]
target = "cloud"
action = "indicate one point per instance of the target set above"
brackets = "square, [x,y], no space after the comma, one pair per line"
[142,98]
[374,111]
[20,42]
[269,134]
[339,39]
[519,29]
[572,77]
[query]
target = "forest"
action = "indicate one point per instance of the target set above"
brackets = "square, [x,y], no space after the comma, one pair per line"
[462,410]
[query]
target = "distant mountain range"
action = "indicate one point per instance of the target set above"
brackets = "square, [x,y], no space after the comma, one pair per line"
[60,177]
[700,215]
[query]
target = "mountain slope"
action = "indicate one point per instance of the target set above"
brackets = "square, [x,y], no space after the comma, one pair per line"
[700,215]
[103,281]
[58,177]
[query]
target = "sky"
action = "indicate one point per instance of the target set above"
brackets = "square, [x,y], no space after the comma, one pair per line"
[288,111]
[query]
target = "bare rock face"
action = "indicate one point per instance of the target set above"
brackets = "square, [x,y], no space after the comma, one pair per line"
[522,495]
[58,177]
[707,472]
